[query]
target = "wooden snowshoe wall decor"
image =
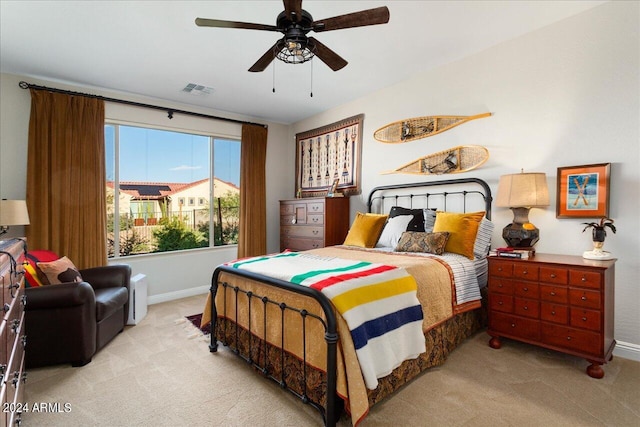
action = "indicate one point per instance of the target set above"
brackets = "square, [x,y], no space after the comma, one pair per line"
[420,127]
[454,160]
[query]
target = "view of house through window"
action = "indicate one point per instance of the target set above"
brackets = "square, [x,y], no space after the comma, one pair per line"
[170,190]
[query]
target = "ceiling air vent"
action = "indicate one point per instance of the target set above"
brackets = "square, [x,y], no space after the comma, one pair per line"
[198,90]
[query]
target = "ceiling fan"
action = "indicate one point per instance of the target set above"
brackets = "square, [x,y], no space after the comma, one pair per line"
[294,22]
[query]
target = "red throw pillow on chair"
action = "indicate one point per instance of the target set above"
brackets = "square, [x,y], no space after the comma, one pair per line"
[31,267]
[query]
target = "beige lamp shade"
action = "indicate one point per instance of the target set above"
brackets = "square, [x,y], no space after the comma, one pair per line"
[523,190]
[13,212]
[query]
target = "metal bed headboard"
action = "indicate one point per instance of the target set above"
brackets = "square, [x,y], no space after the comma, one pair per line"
[432,194]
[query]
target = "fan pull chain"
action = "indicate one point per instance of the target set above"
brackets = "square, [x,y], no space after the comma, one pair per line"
[311,94]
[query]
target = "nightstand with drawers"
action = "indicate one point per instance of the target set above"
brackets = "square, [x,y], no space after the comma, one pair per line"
[564,303]
[313,222]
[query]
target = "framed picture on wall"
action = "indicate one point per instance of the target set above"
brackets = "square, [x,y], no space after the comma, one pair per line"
[328,154]
[583,191]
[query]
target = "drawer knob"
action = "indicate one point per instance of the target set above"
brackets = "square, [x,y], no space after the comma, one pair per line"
[553,294]
[584,279]
[513,325]
[524,272]
[499,268]
[500,302]
[16,379]
[583,298]
[525,289]
[15,325]
[584,319]
[315,219]
[553,276]
[568,338]
[499,285]
[526,308]
[553,313]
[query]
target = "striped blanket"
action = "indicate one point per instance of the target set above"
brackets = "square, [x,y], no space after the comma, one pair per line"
[378,303]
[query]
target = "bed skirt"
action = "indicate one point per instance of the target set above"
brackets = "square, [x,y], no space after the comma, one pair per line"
[309,382]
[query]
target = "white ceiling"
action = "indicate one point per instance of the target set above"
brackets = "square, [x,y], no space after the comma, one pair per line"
[153,48]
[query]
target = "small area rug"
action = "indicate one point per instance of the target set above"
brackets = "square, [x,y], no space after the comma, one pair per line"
[195,321]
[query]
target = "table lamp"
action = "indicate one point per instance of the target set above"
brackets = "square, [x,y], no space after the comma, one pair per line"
[12,212]
[521,192]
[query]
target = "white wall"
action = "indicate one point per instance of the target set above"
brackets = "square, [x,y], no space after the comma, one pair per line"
[172,275]
[565,95]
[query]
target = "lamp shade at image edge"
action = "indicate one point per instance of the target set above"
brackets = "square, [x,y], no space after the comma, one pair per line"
[13,212]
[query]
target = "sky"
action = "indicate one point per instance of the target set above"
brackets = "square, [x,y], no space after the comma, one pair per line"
[151,155]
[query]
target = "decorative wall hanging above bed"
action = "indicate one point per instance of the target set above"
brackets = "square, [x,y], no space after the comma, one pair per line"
[454,160]
[420,127]
[328,153]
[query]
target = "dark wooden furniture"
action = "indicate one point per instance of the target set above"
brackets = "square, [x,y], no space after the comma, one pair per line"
[313,222]
[12,332]
[563,303]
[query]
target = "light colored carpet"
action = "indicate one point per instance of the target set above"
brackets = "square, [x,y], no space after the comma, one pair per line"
[161,373]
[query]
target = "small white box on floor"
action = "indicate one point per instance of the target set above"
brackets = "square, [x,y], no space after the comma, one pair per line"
[137,299]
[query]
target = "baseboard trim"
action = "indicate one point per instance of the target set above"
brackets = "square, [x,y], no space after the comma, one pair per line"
[184,293]
[627,350]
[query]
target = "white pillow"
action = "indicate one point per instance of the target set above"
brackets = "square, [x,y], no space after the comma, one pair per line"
[393,230]
[483,239]
[429,219]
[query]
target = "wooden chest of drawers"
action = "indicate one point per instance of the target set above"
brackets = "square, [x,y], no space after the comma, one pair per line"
[564,303]
[12,332]
[313,222]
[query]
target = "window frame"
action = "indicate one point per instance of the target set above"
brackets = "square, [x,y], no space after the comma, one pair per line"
[212,137]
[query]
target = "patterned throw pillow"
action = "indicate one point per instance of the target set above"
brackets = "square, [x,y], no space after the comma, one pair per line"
[429,219]
[417,222]
[59,271]
[31,271]
[416,241]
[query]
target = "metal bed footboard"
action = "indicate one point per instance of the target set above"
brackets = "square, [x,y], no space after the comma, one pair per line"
[333,408]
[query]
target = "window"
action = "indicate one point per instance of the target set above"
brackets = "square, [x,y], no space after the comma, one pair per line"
[157,176]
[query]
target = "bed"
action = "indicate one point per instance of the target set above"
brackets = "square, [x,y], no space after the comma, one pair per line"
[274,312]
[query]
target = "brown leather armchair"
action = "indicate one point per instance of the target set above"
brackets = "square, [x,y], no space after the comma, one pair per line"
[70,322]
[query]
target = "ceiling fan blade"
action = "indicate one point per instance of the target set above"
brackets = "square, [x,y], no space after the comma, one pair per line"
[267,58]
[204,22]
[326,55]
[379,15]
[295,7]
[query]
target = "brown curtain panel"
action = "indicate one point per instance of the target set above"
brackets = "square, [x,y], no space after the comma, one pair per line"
[252,234]
[66,177]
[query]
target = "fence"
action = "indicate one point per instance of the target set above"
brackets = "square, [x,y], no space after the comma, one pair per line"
[137,230]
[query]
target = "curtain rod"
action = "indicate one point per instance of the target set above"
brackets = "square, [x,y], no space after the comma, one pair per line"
[170,111]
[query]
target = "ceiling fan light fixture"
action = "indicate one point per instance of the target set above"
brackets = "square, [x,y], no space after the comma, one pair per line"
[294,52]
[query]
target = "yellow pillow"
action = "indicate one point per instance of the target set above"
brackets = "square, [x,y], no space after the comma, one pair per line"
[365,230]
[462,228]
